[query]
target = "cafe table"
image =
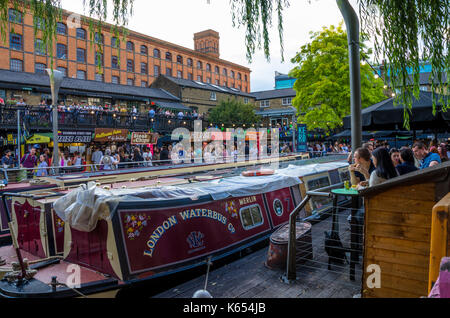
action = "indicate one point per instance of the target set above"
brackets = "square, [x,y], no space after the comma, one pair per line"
[355,230]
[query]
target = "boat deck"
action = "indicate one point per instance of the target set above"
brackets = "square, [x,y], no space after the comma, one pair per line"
[248,277]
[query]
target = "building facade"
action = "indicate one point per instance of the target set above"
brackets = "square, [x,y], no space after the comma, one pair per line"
[138,61]
[200,96]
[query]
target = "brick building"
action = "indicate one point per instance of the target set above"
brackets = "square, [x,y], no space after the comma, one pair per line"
[200,96]
[141,60]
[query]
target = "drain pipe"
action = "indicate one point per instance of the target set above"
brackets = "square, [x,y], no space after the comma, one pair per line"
[352,24]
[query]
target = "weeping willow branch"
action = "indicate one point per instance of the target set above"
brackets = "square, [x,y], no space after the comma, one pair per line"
[405,33]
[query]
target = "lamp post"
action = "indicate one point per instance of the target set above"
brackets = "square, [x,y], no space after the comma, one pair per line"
[352,23]
[56,78]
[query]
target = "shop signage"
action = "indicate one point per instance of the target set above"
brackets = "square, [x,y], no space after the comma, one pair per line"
[143,138]
[302,139]
[70,137]
[109,134]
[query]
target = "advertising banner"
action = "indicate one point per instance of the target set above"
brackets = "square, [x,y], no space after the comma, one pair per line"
[71,137]
[302,140]
[110,134]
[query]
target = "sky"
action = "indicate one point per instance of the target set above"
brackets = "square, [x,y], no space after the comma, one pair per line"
[176,21]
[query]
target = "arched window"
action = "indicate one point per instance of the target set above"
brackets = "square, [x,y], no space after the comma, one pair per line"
[115,43]
[216,70]
[98,38]
[61,28]
[16,65]
[15,16]
[232,74]
[130,66]
[179,59]
[144,50]
[239,76]
[208,67]
[156,53]
[225,72]
[199,65]
[169,56]
[61,51]
[190,62]
[130,46]
[81,34]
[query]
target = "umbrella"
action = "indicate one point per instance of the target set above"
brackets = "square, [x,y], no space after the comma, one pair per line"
[386,116]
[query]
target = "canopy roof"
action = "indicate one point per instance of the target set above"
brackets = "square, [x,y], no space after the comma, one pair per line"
[170,105]
[386,116]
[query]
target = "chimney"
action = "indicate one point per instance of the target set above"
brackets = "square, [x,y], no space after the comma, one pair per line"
[207,42]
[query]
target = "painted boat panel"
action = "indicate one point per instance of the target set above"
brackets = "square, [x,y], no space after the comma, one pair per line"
[29,227]
[280,205]
[158,238]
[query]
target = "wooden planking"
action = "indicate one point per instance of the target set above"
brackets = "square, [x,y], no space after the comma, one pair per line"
[410,286]
[399,231]
[399,205]
[386,292]
[404,271]
[421,192]
[401,245]
[395,257]
[401,218]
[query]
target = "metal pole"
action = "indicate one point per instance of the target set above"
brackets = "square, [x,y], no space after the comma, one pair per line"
[18,135]
[352,24]
[56,78]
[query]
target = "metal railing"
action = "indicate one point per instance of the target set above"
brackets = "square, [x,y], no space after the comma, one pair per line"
[291,273]
[439,246]
[39,117]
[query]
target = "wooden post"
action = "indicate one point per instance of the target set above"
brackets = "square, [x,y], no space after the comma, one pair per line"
[439,238]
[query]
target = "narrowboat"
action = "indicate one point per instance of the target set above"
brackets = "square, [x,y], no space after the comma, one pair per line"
[107,177]
[96,239]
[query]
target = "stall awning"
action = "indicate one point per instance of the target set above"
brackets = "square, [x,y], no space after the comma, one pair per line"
[42,138]
[170,105]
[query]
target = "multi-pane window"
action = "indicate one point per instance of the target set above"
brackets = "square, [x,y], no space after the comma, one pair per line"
[169,56]
[15,16]
[179,74]
[61,51]
[115,79]
[81,34]
[199,65]
[16,65]
[130,66]
[287,101]
[81,55]
[245,78]
[156,70]
[190,76]
[216,70]
[144,50]
[144,84]
[168,71]
[130,46]
[98,38]
[232,74]
[224,72]
[144,68]
[213,96]
[39,68]
[63,70]
[40,23]
[15,41]
[239,76]
[217,82]
[264,103]
[115,62]
[61,28]
[156,53]
[99,77]
[130,82]
[115,42]
[245,100]
[179,59]
[208,67]
[98,59]
[81,74]
[39,47]
[208,80]
[189,62]
[251,217]
[199,78]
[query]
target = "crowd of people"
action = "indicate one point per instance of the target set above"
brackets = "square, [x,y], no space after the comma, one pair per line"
[373,164]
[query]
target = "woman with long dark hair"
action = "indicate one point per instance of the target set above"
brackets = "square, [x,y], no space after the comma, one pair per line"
[384,168]
[407,162]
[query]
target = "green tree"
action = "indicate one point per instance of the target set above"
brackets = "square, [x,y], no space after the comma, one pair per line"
[323,80]
[405,33]
[232,112]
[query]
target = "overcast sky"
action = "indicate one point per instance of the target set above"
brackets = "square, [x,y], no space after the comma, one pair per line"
[176,21]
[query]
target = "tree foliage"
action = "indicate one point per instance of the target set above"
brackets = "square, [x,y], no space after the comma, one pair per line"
[406,32]
[323,80]
[232,112]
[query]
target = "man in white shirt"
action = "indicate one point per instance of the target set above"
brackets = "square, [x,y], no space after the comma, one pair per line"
[96,158]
